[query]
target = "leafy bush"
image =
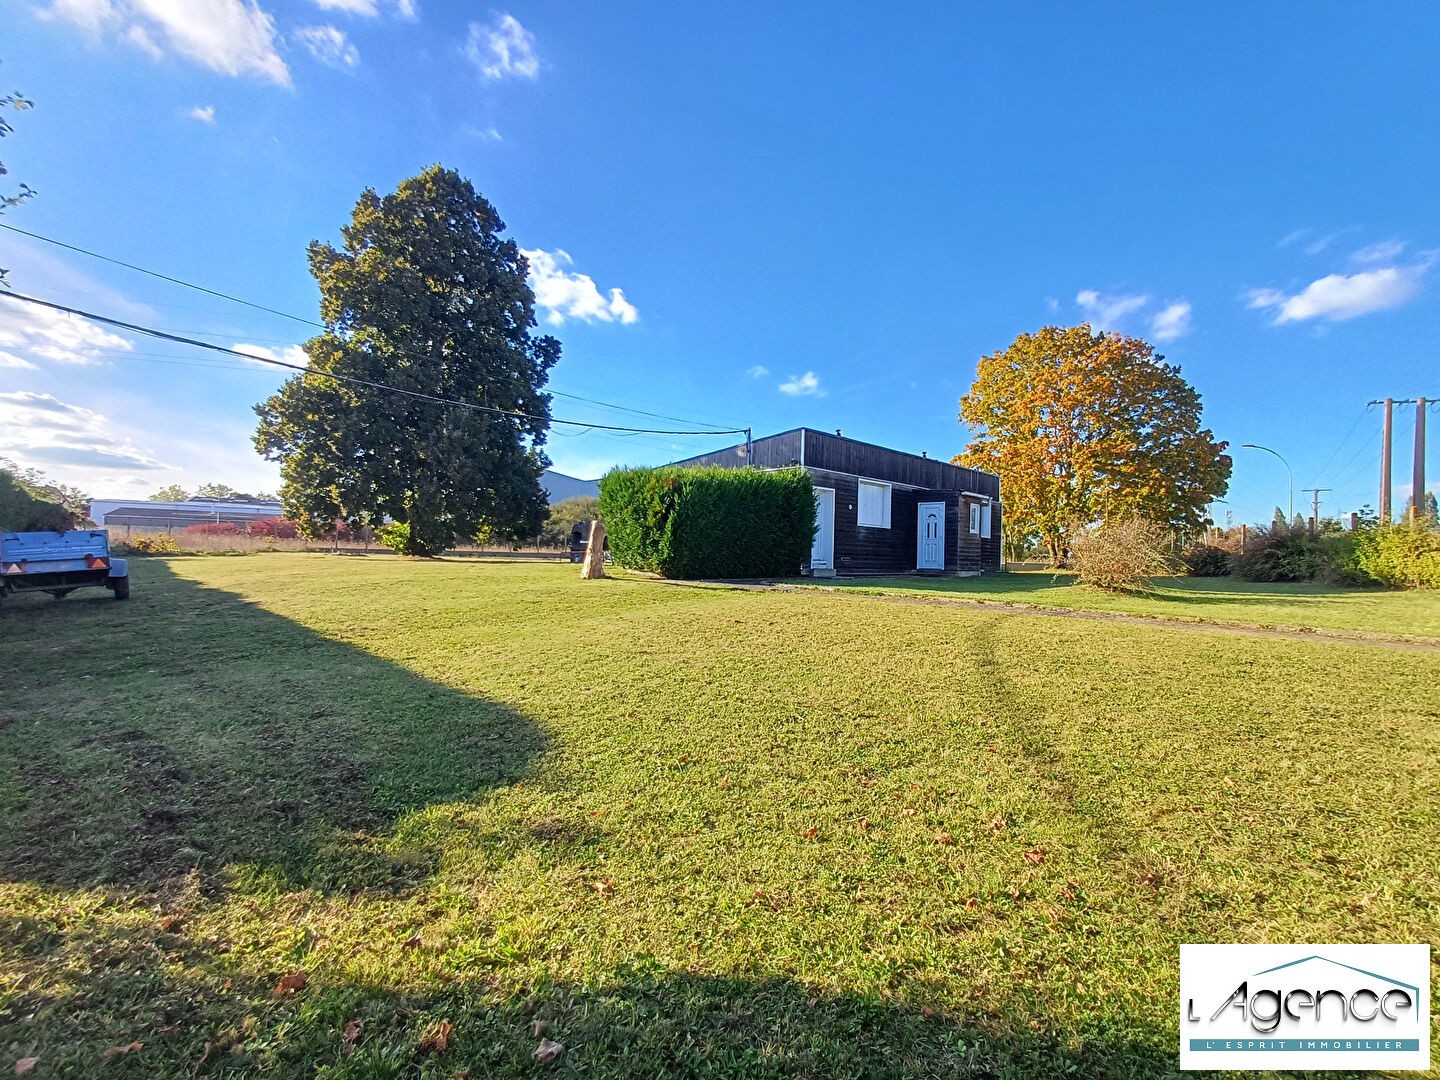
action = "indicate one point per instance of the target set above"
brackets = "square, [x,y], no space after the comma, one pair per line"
[23,511]
[278,528]
[214,528]
[1399,555]
[1283,551]
[1206,560]
[146,544]
[395,536]
[709,522]
[1121,555]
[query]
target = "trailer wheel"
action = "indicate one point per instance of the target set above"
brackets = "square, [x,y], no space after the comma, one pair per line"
[121,585]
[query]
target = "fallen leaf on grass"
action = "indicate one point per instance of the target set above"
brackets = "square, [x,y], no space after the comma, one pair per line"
[1035,856]
[288,984]
[352,1032]
[907,812]
[24,1065]
[972,904]
[549,1051]
[602,887]
[128,1048]
[437,1037]
[414,941]
[1151,880]
[999,823]
[943,837]
[810,833]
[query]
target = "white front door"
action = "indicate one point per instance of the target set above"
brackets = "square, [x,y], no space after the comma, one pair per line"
[822,552]
[930,549]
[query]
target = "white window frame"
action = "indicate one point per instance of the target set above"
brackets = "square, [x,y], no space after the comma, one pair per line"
[975,517]
[985,520]
[885,501]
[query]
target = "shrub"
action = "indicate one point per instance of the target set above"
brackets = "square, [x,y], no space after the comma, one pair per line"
[214,528]
[146,544]
[1206,560]
[1121,555]
[709,522]
[1399,555]
[1285,551]
[22,511]
[394,536]
[278,528]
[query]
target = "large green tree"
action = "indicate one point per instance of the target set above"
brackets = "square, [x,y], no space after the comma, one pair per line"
[425,296]
[1083,427]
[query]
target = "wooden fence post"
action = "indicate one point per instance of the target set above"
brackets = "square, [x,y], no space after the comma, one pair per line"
[594,565]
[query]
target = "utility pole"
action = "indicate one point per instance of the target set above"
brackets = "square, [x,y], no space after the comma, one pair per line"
[1385,461]
[1315,507]
[1417,488]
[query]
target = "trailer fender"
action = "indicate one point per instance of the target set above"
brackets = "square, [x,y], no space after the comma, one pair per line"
[119,568]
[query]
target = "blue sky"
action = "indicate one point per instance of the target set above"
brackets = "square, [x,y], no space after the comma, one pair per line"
[816,214]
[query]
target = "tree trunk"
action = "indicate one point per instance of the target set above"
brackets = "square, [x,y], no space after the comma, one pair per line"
[594,566]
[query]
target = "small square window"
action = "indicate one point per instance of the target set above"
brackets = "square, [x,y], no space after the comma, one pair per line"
[873,505]
[974,517]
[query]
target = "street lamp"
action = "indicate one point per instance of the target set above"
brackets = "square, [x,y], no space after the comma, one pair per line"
[1253,446]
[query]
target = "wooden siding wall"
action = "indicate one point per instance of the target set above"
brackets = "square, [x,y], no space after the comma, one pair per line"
[838,463]
[863,549]
[835,454]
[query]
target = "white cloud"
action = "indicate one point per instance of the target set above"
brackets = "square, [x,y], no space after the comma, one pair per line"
[204,113]
[807,385]
[759,371]
[291,354]
[1383,251]
[1294,237]
[564,294]
[15,363]
[1339,296]
[233,37]
[45,334]
[1052,305]
[353,7]
[1171,322]
[491,133]
[1103,311]
[503,49]
[329,45]
[367,8]
[41,431]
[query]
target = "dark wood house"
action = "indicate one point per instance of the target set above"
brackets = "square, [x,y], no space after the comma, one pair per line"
[882,511]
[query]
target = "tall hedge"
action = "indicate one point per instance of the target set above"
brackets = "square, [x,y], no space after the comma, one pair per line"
[22,511]
[709,523]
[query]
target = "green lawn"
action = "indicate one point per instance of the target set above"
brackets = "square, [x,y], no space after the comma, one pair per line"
[1411,613]
[694,831]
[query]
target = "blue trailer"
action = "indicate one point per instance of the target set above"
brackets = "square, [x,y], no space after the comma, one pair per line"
[61,562]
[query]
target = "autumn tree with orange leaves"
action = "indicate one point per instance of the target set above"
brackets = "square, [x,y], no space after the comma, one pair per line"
[1083,427]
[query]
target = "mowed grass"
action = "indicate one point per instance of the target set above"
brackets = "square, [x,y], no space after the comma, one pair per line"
[694,831]
[1413,613]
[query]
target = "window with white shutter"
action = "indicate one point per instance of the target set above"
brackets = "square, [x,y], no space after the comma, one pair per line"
[873,505]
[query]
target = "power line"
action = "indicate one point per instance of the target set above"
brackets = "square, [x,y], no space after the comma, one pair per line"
[163,277]
[296,318]
[163,335]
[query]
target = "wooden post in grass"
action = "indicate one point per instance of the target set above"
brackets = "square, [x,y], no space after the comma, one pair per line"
[594,565]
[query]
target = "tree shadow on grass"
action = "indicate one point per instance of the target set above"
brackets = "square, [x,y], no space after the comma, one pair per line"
[160,995]
[190,730]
